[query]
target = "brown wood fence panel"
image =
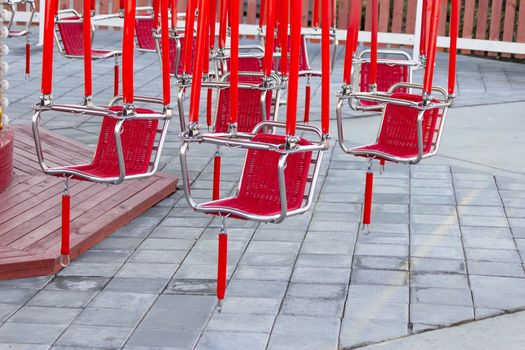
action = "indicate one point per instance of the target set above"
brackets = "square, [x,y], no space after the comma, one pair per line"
[306,12]
[520,36]
[342,13]
[468,21]
[410,21]
[495,23]
[397,16]
[251,15]
[508,26]
[384,15]
[481,26]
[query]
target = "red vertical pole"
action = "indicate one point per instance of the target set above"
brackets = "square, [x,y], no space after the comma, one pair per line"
[222,265]
[307,103]
[66,205]
[173,14]
[295,38]
[270,29]
[223,11]
[213,20]
[28,59]
[367,205]
[115,79]
[315,14]
[166,88]
[432,41]
[201,54]
[88,88]
[155,5]
[188,36]
[373,54]
[216,176]
[283,35]
[350,38]
[423,34]
[128,51]
[234,60]
[325,67]
[92,6]
[454,29]
[47,50]
[262,13]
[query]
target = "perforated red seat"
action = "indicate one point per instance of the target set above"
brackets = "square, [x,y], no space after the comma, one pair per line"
[173,55]
[259,191]
[138,137]
[73,39]
[398,134]
[248,64]
[387,75]
[249,111]
[144,28]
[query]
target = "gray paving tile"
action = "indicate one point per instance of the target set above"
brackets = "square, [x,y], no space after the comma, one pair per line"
[45,315]
[27,333]
[241,323]
[90,269]
[440,314]
[28,283]
[147,270]
[383,277]
[399,250]
[192,286]
[498,292]
[356,332]
[250,305]
[320,275]
[212,340]
[62,298]
[256,289]
[137,285]
[80,284]
[118,300]
[6,310]
[435,280]
[495,269]
[175,338]
[109,317]
[266,273]
[381,263]
[312,307]
[158,256]
[442,296]
[16,296]
[325,260]
[106,337]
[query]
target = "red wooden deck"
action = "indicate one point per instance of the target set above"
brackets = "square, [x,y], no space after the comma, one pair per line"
[30,218]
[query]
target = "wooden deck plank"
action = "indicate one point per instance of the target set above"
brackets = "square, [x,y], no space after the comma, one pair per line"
[30,213]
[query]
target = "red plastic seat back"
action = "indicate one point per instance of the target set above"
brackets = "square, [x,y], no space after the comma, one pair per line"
[138,137]
[387,75]
[173,55]
[144,30]
[72,36]
[260,183]
[399,127]
[248,64]
[249,106]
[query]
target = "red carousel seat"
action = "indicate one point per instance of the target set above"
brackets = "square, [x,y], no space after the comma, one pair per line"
[144,30]
[73,39]
[387,75]
[259,191]
[398,134]
[138,137]
[249,106]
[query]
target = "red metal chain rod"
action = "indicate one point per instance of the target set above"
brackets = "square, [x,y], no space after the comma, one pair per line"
[234,60]
[222,265]
[128,51]
[173,6]
[315,14]
[188,35]
[155,5]
[325,67]
[216,177]
[373,49]
[270,30]
[47,50]
[88,86]
[121,4]
[200,55]
[431,54]
[28,59]
[262,13]
[212,21]
[307,93]
[93,5]
[166,89]
[64,249]
[283,35]
[454,30]
[295,38]
[223,20]
[423,36]
[350,38]
[115,79]
[367,205]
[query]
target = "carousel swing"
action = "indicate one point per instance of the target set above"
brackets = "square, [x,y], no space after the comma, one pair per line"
[130,141]
[412,125]
[25,31]
[280,171]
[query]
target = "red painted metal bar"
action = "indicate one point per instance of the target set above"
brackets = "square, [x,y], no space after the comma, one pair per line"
[315,14]
[47,50]
[190,21]
[325,67]
[128,51]
[28,59]
[222,265]
[166,88]
[262,13]
[350,38]
[270,30]
[93,5]
[373,49]
[223,20]
[200,55]
[64,249]
[307,92]
[216,177]
[234,60]
[423,36]
[367,205]
[88,78]
[431,54]
[454,30]
[173,5]
[115,80]
[333,15]
[283,35]
[295,38]
[155,5]
[212,21]
[209,100]
[121,4]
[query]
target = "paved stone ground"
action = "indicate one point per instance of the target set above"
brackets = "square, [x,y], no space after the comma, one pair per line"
[447,246]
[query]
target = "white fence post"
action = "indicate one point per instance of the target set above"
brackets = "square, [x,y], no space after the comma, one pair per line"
[41,22]
[417,30]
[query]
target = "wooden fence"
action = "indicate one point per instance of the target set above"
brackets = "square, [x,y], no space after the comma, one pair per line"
[496,20]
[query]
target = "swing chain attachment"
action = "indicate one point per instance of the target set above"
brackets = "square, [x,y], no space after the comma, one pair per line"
[66,185]
[128,110]
[88,101]
[232,129]
[65,260]
[168,111]
[193,131]
[291,142]
[373,88]
[45,100]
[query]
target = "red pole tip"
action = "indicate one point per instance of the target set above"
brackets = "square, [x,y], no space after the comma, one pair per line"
[367,205]
[64,250]
[116,80]
[307,104]
[216,177]
[222,265]
[28,59]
